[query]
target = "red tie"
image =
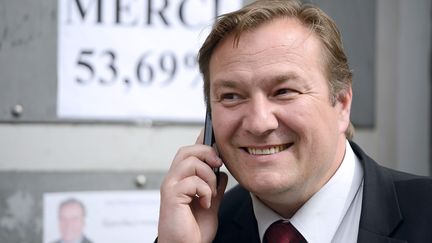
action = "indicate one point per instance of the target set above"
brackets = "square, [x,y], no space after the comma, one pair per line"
[282,232]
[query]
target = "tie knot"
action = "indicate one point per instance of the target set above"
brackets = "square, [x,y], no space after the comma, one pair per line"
[282,232]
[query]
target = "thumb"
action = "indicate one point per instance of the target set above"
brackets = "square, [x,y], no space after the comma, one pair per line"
[223,181]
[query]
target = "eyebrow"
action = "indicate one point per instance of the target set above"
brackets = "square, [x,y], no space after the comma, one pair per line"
[274,80]
[225,84]
[284,78]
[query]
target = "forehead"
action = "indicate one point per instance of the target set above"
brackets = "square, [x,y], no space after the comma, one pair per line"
[71,208]
[278,41]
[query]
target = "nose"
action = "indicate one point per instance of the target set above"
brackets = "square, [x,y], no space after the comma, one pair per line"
[260,118]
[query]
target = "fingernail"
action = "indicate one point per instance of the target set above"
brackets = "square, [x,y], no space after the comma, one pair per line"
[218,161]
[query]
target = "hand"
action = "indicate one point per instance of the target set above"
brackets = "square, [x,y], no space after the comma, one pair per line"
[190,197]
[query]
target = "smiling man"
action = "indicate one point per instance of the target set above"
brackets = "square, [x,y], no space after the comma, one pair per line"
[278,84]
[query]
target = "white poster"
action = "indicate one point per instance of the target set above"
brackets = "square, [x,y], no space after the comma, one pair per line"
[101,217]
[133,59]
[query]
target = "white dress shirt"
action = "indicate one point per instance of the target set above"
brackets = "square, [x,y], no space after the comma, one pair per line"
[332,214]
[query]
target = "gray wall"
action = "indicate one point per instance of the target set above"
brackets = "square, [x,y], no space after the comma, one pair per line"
[401,138]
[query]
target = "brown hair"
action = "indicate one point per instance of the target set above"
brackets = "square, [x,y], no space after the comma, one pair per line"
[72,201]
[262,11]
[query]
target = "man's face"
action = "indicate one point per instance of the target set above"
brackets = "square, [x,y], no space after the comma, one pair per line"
[275,127]
[71,218]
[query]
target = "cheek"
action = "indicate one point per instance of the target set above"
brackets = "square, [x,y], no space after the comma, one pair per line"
[298,120]
[311,117]
[314,127]
[318,133]
[226,127]
[225,123]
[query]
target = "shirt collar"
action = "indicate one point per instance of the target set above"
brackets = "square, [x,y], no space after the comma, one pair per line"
[328,205]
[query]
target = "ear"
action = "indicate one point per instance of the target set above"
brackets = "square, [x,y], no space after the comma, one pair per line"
[343,106]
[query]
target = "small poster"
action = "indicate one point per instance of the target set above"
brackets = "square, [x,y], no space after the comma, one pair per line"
[100,217]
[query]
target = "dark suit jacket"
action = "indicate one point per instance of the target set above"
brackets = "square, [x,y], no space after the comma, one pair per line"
[84,240]
[396,208]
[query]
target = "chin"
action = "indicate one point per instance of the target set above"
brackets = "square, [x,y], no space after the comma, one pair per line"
[265,184]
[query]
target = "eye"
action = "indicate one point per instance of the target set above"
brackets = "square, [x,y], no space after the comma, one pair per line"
[285,92]
[229,97]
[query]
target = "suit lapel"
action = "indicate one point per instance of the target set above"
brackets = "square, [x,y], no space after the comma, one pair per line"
[380,208]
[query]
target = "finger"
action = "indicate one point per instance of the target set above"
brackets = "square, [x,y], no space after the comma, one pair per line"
[195,188]
[192,166]
[202,152]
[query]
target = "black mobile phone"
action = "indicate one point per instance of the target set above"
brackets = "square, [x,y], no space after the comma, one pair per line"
[209,138]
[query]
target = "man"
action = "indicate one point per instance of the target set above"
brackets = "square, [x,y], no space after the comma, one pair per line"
[71,222]
[278,85]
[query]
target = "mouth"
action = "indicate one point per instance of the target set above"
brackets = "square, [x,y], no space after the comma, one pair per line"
[267,150]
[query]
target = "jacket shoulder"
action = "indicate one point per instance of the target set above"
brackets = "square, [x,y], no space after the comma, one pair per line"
[414,194]
[410,185]
[415,199]
[86,240]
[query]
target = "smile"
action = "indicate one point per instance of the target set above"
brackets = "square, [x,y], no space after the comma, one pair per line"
[267,151]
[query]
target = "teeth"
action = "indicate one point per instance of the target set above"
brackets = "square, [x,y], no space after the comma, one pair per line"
[266,151]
